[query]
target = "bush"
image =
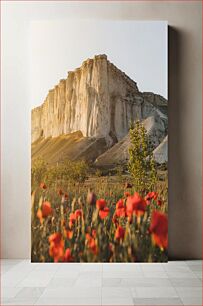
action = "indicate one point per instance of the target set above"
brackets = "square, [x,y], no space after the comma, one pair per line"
[141,163]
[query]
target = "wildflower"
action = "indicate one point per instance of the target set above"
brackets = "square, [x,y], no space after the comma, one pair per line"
[67,256]
[150,196]
[120,232]
[103,213]
[159,202]
[72,219]
[44,211]
[126,194]
[101,203]
[115,219]
[91,243]
[159,229]
[91,198]
[56,248]
[78,213]
[69,234]
[135,205]
[43,185]
[120,209]
[94,233]
[60,192]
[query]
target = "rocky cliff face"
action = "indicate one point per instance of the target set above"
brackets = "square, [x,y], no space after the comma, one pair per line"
[97,99]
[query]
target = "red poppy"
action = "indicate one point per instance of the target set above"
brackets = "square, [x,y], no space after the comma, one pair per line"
[135,205]
[67,256]
[159,202]
[72,219]
[78,213]
[159,229]
[69,234]
[103,213]
[44,211]
[120,209]
[43,185]
[101,203]
[120,232]
[56,248]
[55,238]
[60,192]
[126,194]
[94,233]
[91,243]
[150,196]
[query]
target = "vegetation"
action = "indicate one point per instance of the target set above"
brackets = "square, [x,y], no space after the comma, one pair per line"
[80,215]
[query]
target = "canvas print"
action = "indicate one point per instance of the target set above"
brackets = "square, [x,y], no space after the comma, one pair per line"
[99,180]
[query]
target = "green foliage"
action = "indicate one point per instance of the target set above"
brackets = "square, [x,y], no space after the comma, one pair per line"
[38,171]
[59,174]
[141,164]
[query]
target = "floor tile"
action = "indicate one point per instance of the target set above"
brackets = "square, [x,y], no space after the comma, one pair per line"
[146,282]
[72,292]
[9,292]
[192,301]
[61,282]
[189,291]
[185,282]
[178,274]
[112,282]
[118,301]
[69,301]
[22,301]
[155,292]
[157,301]
[28,292]
[115,292]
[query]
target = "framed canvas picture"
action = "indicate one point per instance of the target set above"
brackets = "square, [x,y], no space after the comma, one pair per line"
[99,146]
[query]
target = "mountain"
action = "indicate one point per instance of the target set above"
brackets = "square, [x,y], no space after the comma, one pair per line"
[88,114]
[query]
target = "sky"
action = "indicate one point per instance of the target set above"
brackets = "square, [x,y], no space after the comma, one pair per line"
[139,48]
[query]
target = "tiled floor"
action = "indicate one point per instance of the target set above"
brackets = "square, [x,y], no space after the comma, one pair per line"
[174,283]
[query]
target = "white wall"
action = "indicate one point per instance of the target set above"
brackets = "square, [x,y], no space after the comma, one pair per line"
[184,18]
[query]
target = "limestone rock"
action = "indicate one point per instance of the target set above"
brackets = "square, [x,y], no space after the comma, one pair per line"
[161,152]
[97,99]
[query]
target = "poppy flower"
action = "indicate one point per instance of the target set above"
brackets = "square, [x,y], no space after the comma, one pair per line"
[150,196]
[159,229]
[72,219]
[56,248]
[91,243]
[43,185]
[94,233]
[91,198]
[120,209]
[103,213]
[101,203]
[67,256]
[135,205]
[126,194]
[69,234]
[60,192]
[44,211]
[159,202]
[78,213]
[120,232]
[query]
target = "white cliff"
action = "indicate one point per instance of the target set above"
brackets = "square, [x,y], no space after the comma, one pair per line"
[97,99]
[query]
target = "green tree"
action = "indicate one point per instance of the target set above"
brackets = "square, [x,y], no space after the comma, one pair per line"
[141,164]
